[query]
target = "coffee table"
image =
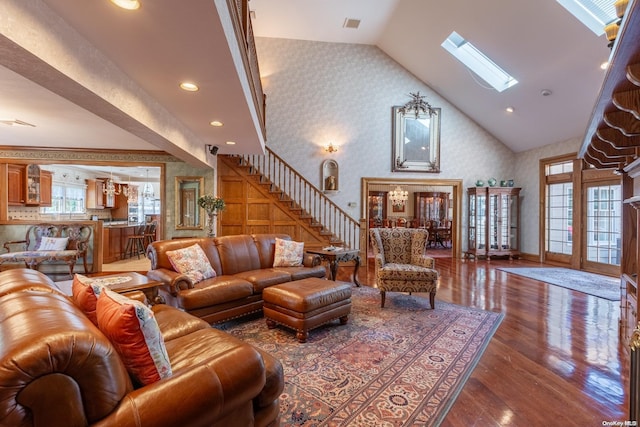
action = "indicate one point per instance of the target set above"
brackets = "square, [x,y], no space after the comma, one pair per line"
[336,256]
[132,281]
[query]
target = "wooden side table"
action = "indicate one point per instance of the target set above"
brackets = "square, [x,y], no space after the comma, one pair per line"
[132,281]
[335,257]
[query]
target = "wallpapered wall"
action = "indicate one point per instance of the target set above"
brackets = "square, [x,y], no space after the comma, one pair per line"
[343,93]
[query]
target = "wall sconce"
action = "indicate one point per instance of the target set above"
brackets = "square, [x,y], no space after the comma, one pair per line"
[331,148]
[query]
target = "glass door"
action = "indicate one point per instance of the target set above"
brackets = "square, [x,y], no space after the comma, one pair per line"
[602,240]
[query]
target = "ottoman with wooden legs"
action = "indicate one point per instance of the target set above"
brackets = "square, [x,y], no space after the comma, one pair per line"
[306,304]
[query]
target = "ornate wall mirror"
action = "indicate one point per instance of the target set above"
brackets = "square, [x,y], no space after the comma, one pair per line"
[416,141]
[188,190]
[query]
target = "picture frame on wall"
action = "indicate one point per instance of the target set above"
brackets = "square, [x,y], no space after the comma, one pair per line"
[398,208]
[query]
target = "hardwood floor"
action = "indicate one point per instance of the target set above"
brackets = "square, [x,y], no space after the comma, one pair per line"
[554,360]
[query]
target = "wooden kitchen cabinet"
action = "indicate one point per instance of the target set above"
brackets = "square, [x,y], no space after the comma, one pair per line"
[95,199]
[46,185]
[15,181]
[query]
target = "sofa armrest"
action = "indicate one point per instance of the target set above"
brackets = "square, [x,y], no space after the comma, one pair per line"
[197,395]
[423,261]
[8,245]
[311,260]
[174,280]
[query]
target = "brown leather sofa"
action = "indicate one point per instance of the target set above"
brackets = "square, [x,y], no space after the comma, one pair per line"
[243,265]
[58,369]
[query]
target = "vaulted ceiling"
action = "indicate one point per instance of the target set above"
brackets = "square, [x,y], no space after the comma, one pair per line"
[88,74]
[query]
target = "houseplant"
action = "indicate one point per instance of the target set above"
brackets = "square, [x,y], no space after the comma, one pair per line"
[212,205]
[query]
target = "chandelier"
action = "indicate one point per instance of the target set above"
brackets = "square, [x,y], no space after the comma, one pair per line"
[417,105]
[398,196]
[147,189]
[131,191]
[111,189]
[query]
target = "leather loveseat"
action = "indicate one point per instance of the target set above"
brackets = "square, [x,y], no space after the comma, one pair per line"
[58,369]
[244,267]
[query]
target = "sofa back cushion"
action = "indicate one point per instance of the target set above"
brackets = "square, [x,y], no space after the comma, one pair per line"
[266,244]
[238,253]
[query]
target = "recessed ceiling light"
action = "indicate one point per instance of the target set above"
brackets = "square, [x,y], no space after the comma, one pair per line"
[509,109]
[189,87]
[215,123]
[230,143]
[127,4]
[545,92]
[604,65]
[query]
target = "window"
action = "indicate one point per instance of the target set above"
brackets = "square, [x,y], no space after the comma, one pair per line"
[478,62]
[66,198]
[594,14]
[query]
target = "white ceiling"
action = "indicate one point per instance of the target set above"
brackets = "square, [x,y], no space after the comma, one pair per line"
[120,90]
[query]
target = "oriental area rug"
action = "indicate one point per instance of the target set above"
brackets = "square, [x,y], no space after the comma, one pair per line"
[589,283]
[404,364]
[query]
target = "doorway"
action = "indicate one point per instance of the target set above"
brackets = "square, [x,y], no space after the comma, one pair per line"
[410,213]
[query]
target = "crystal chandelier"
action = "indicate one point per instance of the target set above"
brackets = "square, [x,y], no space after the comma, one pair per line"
[147,189]
[111,189]
[417,105]
[398,196]
[131,191]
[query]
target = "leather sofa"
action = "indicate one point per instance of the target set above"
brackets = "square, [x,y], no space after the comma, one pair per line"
[243,265]
[58,369]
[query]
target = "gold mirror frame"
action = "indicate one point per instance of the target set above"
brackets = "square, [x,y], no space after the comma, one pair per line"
[188,214]
[416,142]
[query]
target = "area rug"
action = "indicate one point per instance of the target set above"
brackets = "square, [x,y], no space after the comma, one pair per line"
[589,283]
[401,365]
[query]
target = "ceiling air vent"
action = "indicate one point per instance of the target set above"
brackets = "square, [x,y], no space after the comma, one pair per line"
[15,122]
[351,23]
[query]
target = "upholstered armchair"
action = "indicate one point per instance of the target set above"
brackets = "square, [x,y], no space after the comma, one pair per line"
[401,262]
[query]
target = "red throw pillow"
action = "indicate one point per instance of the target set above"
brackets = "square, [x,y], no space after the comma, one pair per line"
[85,296]
[134,332]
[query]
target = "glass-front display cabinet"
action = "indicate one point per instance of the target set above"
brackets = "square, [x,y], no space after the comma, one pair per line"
[431,206]
[493,222]
[377,202]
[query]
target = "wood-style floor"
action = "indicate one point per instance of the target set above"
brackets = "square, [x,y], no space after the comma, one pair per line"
[554,361]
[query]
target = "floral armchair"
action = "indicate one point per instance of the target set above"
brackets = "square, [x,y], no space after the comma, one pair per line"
[401,262]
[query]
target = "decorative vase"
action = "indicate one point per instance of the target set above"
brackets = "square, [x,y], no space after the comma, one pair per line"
[211,219]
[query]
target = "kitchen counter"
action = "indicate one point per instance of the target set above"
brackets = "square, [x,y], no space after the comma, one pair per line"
[114,241]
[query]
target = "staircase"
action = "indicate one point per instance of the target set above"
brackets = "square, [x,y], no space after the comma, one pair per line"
[249,183]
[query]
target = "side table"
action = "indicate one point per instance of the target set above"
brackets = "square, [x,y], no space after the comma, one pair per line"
[132,281]
[336,256]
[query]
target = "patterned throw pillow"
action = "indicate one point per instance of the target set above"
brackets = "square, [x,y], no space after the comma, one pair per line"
[134,332]
[288,253]
[192,262]
[85,296]
[53,244]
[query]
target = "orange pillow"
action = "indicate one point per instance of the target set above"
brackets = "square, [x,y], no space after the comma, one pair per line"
[85,296]
[134,332]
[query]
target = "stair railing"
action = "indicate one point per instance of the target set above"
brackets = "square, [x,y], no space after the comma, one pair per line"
[311,200]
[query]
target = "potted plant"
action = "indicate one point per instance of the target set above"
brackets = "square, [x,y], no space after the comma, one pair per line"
[212,205]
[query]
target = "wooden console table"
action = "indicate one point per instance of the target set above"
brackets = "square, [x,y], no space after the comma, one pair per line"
[336,256]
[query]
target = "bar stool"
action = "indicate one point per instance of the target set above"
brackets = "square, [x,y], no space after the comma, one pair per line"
[135,243]
[149,234]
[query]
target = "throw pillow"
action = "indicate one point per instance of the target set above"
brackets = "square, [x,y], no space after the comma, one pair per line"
[85,296]
[134,332]
[193,262]
[288,253]
[53,244]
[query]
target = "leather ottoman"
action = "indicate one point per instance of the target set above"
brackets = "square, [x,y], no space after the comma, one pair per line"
[306,304]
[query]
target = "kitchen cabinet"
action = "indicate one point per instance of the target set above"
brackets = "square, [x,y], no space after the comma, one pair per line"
[95,199]
[28,185]
[33,185]
[15,183]
[46,184]
[493,222]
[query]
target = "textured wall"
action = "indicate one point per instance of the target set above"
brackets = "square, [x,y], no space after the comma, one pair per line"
[343,93]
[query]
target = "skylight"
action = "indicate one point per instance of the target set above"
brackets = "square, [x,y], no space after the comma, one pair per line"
[594,14]
[478,62]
